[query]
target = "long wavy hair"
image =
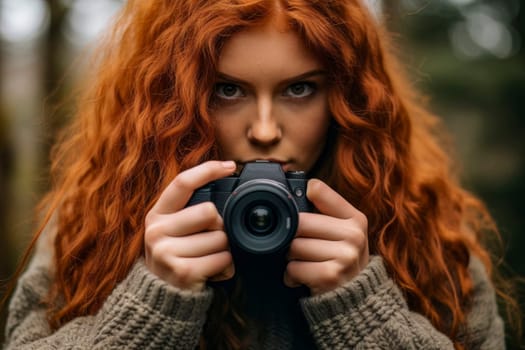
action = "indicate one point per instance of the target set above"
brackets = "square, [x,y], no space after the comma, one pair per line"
[145,117]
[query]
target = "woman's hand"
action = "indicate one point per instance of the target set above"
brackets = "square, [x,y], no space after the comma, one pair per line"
[330,247]
[187,246]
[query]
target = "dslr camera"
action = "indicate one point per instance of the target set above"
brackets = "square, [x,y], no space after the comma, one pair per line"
[260,207]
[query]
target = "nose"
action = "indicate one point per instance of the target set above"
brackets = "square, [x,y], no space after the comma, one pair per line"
[264,129]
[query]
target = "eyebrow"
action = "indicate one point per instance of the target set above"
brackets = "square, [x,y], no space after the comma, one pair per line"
[306,75]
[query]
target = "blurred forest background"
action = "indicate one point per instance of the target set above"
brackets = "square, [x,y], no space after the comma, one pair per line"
[468,56]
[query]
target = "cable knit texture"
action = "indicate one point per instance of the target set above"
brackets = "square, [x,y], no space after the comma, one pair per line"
[370,313]
[144,312]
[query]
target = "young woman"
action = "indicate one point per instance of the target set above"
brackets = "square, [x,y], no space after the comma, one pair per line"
[186,92]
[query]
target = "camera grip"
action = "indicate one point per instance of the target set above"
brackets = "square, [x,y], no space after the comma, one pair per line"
[201,195]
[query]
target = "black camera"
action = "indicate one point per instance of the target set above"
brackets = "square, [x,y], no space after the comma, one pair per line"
[260,207]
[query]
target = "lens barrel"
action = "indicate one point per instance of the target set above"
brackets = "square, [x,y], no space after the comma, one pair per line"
[261,216]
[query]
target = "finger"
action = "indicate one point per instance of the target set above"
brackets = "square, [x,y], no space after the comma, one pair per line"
[316,275]
[317,250]
[289,281]
[194,246]
[179,191]
[207,266]
[224,275]
[301,272]
[190,220]
[329,202]
[312,225]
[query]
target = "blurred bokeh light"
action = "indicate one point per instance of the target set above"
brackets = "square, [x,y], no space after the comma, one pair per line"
[86,20]
[23,21]
[481,27]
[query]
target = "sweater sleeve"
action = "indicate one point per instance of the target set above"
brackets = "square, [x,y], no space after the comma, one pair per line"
[485,327]
[143,312]
[370,312]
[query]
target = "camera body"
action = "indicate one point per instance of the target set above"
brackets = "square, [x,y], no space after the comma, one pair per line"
[260,207]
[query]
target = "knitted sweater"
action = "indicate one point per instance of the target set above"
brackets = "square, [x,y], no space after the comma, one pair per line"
[144,312]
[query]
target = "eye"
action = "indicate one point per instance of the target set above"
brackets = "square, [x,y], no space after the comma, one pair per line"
[228,91]
[299,90]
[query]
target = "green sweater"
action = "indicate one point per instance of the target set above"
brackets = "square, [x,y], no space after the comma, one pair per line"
[144,312]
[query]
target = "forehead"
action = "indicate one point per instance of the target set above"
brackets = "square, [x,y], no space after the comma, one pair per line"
[264,45]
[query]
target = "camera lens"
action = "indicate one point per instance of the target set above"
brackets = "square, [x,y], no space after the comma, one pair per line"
[260,220]
[261,217]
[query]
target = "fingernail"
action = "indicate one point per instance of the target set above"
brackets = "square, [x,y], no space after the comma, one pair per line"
[229,164]
[287,280]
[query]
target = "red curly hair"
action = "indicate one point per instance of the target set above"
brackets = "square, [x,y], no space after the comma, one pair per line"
[145,117]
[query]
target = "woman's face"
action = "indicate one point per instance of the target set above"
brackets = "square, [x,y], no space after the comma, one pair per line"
[270,101]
